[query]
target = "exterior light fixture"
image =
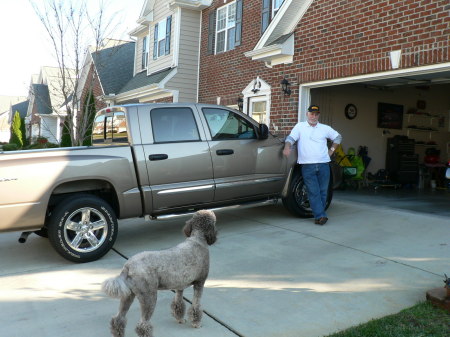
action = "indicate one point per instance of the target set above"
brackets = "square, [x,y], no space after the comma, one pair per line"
[285,86]
[240,103]
[256,85]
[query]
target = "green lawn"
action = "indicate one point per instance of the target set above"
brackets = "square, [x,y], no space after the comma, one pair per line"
[420,320]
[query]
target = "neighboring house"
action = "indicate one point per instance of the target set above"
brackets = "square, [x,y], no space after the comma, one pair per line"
[274,58]
[6,104]
[166,53]
[105,72]
[47,107]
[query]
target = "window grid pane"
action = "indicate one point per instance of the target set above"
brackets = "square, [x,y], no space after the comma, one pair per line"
[225,32]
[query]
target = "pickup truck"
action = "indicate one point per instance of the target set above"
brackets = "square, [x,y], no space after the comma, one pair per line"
[146,160]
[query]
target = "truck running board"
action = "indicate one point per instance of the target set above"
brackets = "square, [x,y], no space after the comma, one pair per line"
[272,201]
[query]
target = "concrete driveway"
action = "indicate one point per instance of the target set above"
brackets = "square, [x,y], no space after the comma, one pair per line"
[271,274]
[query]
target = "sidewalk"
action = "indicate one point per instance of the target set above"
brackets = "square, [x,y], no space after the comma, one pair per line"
[271,275]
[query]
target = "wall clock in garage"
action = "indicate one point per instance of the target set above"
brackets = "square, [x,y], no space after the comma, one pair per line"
[350,111]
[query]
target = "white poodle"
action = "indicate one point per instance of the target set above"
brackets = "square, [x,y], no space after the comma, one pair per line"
[173,269]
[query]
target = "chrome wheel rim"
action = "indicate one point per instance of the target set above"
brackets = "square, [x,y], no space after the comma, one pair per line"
[85,230]
[301,196]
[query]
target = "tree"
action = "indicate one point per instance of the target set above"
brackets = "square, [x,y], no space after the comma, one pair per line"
[16,133]
[65,136]
[90,114]
[24,134]
[73,28]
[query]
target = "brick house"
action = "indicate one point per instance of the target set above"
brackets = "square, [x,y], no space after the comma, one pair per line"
[363,62]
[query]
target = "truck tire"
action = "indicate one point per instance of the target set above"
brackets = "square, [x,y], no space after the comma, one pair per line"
[297,201]
[82,228]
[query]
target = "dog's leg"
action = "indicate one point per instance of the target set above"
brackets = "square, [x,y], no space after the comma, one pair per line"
[148,303]
[178,307]
[195,311]
[119,321]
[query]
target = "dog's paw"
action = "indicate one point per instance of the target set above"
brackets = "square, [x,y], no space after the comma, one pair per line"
[181,321]
[196,325]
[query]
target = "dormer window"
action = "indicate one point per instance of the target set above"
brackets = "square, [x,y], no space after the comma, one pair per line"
[161,43]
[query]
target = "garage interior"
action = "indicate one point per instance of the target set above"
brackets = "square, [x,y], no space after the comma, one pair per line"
[404,123]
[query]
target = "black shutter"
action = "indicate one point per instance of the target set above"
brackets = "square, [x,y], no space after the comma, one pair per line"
[265,15]
[168,30]
[155,43]
[211,32]
[238,32]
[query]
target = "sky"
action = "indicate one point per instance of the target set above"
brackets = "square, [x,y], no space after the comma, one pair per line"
[24,41]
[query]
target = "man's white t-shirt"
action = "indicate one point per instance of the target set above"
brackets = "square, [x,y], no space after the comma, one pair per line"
[312,142]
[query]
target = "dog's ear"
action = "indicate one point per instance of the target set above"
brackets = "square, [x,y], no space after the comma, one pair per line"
[211,235]
[187,229]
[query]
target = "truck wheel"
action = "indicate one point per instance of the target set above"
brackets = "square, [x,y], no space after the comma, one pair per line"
[82,228]
[297,201]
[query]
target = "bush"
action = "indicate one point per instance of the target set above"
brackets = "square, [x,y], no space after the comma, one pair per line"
[16,133]
[10,147]
[46,145]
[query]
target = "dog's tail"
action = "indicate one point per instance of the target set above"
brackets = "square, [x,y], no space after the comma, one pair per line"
[116,287]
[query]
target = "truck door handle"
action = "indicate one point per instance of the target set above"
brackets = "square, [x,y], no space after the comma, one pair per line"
[161,156]
[224,152]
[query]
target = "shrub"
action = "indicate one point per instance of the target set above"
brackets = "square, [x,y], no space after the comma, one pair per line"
[10,147]
[16,133]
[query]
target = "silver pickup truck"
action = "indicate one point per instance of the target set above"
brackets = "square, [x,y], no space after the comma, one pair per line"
[154,160]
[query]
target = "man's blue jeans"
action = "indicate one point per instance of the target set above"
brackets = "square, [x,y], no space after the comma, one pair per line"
[317,178]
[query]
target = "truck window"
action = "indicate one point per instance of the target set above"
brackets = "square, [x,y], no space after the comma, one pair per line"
[174,125]
[225,124]
[110,129]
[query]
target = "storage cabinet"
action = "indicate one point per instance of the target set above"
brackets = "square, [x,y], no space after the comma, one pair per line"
[402,164]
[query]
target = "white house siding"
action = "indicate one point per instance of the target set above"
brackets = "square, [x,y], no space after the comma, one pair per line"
[187,71]
[161,12]
[50,128]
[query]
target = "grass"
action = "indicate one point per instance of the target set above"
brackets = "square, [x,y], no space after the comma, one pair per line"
[420,320]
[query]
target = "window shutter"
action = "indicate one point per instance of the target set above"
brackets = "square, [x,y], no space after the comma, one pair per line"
[155,43]
[265,15]
[168,30]
[211,32]
[238,32]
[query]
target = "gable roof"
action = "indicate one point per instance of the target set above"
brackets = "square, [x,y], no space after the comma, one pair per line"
[142,80]
[276,45]
[114,66]
[42,100]
[21,107]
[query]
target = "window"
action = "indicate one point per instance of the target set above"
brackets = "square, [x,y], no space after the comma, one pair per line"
[269,10]
[144,52]
[173,125]
[110,129]
[161,43]
[226,27]
[276,4]
[226,124]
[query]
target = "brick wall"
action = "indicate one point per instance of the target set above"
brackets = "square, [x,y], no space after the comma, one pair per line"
[93,83]
[335,39]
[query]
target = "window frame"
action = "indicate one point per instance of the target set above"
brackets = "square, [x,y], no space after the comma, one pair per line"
[228,30]
[168,112]
[145,52]
[240,120]
[275,9]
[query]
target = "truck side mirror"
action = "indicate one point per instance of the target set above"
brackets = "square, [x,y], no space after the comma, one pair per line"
[263,131]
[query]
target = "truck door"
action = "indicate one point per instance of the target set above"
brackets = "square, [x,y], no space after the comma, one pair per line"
[178,161]
[244,166]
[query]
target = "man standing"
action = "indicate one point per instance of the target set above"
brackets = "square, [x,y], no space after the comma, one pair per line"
[314,157]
